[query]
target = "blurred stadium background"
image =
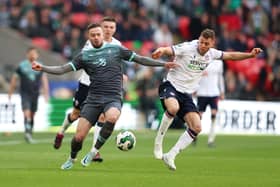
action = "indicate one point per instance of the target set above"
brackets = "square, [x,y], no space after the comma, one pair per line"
[57,28]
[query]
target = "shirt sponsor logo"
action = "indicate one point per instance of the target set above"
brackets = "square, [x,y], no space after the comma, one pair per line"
[100,62]
[197,65]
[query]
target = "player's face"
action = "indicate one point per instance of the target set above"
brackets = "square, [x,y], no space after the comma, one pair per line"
[32,55]
[205,44]
[109,29]
[96,36]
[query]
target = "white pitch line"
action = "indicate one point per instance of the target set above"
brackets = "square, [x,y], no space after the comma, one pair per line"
[11,142]
[36,141]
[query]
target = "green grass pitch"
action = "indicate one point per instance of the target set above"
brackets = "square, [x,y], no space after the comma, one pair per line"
[236,161]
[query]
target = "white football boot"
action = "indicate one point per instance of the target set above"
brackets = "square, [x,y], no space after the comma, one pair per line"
[169,161]
[87,159]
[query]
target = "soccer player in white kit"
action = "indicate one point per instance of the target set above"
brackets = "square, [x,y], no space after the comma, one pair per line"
[211,89]
[108,25]
[181,82]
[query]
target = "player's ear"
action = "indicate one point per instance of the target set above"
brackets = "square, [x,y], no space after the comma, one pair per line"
[213,43]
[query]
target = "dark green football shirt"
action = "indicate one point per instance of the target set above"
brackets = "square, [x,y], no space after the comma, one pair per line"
[30,80]
[104,67]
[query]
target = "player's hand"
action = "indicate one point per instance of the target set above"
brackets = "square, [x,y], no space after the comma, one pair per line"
[205,73]
[170,65]
[256,51]
[36,66]
[157,53]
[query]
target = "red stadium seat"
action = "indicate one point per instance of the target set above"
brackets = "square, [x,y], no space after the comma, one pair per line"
[251,43]
[96,18]
[232,22]
[41,42]
[250,68]
[270,37]
[183,26]
[79,19]
[128,44]
[147,47]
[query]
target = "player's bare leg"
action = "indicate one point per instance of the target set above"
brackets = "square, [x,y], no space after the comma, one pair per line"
[194,123]
[76,144]
[111,116]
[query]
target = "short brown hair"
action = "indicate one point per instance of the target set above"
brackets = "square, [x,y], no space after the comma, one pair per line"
[208,33]
[109,18]
[93,25]
[30,48]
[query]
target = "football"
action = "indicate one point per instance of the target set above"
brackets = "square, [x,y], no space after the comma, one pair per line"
[125,140]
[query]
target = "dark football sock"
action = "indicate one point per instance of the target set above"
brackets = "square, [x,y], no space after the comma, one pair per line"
[75,148]
[32,124]
[105,133]
[27,125]
[100,124]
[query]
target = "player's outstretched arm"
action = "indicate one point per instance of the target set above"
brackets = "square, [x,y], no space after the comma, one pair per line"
[146,61]
[241,55]
[162,51]
[58,70]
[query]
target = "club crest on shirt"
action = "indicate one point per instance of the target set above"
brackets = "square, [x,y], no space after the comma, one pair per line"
[207,57]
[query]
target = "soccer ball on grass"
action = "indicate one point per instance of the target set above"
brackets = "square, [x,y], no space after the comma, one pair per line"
[125,140]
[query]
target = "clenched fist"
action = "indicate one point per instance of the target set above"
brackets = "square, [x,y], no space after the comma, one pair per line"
[36,66]
[256,51]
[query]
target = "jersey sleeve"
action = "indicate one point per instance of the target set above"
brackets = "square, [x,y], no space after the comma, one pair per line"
[77,62]
[216,54]
[126,54]
[180,49]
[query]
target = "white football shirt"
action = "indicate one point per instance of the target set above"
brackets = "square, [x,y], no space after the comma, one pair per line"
[84,78]
[212,81]
[186,77]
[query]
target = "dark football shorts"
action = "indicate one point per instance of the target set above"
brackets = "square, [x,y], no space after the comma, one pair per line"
[202,103]
[95,105]
[29,103]
[185,100]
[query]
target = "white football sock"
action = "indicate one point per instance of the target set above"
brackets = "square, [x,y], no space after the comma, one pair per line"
[184,141]
[212,135]
[96,132]
[66,123]
[164,125]
[94,150]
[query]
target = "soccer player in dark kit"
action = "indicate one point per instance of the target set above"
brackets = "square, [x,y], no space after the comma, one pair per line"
[103,64]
